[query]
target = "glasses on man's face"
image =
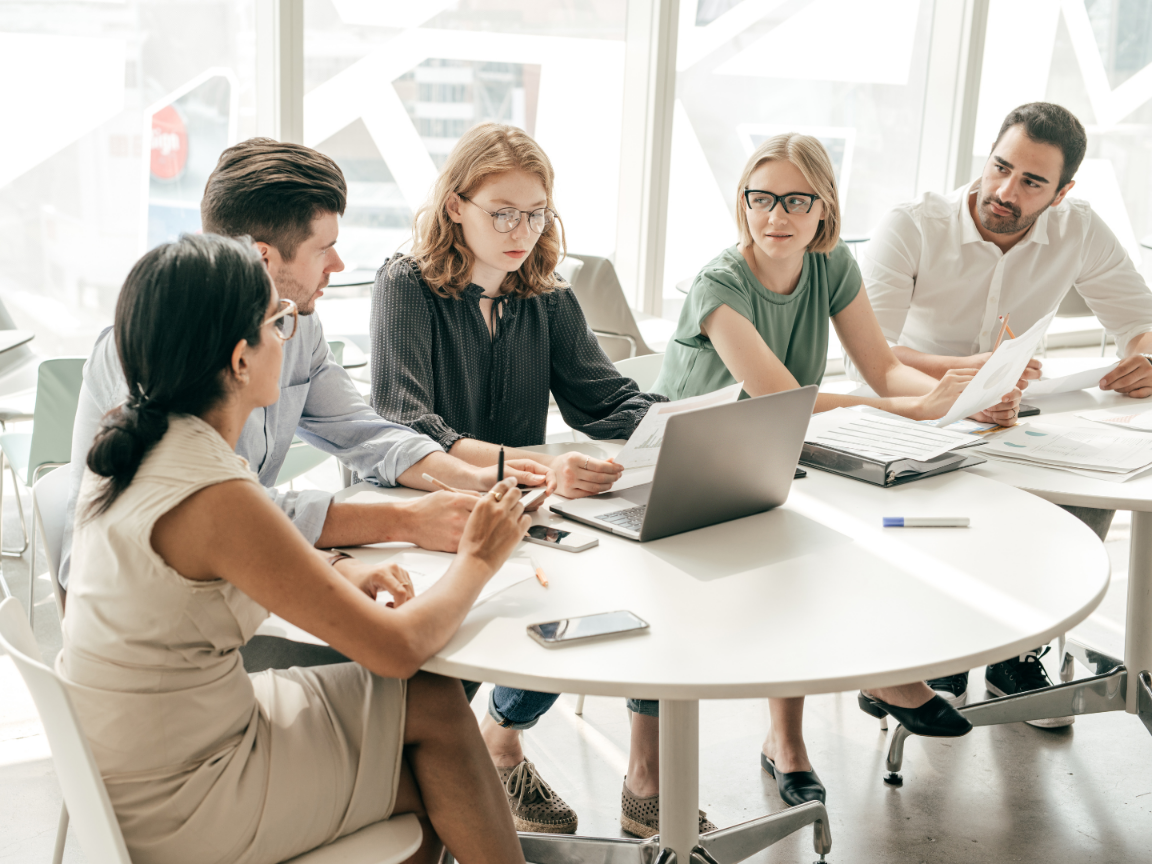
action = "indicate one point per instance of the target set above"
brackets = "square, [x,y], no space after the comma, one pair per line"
[284,320]
[506,219]
[792,202]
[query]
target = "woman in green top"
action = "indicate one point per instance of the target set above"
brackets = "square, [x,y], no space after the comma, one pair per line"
[758,313]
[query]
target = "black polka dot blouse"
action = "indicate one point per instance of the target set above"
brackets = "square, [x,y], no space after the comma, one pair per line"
[436,368]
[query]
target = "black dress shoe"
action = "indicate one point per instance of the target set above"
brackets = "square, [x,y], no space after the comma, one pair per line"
[795,787]
[934,719]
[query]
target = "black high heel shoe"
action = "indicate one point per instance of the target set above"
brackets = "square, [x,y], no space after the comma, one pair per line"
[934,719]
[795,787]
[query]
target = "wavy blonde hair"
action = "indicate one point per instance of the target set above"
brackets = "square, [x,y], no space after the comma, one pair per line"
[809,155]
[438,246]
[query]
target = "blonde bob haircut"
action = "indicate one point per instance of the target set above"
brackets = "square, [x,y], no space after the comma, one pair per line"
[438,246]
[809,155]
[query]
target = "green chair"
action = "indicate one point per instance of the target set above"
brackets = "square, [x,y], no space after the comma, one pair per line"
[47,446]
[303,457]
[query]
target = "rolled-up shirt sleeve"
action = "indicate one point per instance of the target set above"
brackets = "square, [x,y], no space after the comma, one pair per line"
[1112,287]
[338,421]
[593,397]
[403,383]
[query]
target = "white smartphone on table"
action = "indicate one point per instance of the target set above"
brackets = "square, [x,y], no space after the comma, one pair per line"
[559,538]
[565,630]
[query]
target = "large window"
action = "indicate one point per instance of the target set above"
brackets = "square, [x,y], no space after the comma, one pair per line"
[1095,58]
[114,113]
[849,72]
[391,87]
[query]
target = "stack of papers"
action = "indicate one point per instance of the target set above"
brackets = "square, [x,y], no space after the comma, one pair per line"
[882,438]
[1101,455]
[1141,420]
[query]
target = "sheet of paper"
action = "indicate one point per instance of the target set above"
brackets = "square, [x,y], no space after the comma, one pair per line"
[999,375]
[1139,420]
[1114,452]
[427,568]
[1069,383]
[888,439]
[643,448]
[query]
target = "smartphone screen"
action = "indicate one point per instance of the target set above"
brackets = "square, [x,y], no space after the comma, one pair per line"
[569,629]
[547,533]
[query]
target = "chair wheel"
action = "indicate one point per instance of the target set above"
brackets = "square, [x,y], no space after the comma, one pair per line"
[894,779]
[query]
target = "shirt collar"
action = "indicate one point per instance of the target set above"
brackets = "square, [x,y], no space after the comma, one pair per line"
[970,234]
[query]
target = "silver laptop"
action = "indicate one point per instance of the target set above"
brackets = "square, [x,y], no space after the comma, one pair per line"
[715,464]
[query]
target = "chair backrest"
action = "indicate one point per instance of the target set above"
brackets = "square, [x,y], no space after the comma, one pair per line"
[643,370]
[598,289]
[89,808]
[336,346]
[1073,306]
[51,501]
[57,394]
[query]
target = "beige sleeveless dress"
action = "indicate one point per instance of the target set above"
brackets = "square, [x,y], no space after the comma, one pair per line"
[203,762]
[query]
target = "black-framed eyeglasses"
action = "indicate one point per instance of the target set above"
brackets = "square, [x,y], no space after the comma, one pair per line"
[283,320]
[506,219]
[792,202]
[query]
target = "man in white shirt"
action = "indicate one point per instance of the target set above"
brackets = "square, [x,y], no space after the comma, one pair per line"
[941,271]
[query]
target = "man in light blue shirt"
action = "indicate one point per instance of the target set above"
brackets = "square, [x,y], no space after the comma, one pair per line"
[287,198]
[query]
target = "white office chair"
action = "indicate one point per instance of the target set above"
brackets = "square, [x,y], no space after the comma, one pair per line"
[49,505]
[86,798]
[644,370]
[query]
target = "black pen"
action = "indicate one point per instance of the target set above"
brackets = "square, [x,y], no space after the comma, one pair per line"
[500,465]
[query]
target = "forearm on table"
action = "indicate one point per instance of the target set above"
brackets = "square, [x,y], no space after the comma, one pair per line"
[482,454]
[444,467]
[935,365]
[894,404]
[351,524]
[432,618]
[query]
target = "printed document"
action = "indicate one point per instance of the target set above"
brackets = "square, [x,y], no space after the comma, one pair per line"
[1069,383]
[1139,420]
[1064,447]
[643,448]
[883,438]
[999,375]
[427,568]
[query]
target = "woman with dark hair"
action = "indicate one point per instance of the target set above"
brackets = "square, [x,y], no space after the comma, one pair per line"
[179,555]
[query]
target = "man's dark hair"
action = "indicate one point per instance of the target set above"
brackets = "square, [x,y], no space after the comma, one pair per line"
[1047,123]
[271,191]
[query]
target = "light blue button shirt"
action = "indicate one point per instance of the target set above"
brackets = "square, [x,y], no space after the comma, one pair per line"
[318,402]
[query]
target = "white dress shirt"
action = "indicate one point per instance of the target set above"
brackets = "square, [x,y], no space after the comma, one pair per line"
[938,287]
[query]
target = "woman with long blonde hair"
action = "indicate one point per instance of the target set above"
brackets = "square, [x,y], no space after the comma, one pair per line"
[471,333]
[759,313]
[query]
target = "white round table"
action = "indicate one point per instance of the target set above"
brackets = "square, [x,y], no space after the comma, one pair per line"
[812,597]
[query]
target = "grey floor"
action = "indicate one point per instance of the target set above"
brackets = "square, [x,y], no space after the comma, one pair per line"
[1003,794]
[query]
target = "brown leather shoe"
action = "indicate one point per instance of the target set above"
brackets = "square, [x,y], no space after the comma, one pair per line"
[535,807]
[640,817]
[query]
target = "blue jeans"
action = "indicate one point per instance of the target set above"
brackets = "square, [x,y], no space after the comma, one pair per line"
[648,707]
[512,708]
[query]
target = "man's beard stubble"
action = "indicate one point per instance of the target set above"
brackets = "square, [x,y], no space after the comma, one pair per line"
[999,224]
[291,288]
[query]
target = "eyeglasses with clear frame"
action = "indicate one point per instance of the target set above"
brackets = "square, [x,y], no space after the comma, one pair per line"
[792,202]
[506,219]
[284,320]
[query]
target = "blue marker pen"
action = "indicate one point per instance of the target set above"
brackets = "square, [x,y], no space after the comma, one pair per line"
[926,522]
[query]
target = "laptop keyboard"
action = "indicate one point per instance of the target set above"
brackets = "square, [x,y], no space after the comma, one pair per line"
[630,519]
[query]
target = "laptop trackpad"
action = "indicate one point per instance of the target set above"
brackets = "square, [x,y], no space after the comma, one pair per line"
[634,496]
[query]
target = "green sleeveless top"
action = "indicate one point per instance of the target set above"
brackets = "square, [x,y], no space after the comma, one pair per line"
[794,326]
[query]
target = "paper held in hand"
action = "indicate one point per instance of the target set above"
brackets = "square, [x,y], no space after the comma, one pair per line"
[1069,383]
[643,448]
[999,375]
